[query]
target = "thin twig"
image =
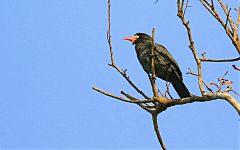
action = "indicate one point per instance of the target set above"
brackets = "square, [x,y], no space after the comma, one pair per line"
[226,11]
[221,80]
[194,74]
[184,12]
[136,101]
[235,93]
[168,90]
[236,68]
[220,60]
[227,18]
[142,105]
[191,72]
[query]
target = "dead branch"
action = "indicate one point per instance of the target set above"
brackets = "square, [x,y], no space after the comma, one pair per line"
[180,14]
[155,123]
[232,30]
[236,68]
[123,73]
[190,72]
[121,98]
[220,60]
[153,77]
[209,97]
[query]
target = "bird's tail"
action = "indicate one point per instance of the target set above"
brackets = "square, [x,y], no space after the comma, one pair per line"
[180,87]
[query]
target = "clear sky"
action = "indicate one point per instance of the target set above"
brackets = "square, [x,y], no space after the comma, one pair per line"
[53,51]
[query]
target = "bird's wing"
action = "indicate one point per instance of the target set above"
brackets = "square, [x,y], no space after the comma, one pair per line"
[164,53]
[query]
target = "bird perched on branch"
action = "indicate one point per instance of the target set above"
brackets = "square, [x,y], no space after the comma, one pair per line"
[165,65]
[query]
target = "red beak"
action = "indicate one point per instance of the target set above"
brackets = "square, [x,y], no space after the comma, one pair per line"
[131,39]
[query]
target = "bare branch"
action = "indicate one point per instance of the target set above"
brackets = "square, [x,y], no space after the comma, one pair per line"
[235,93]
[192,47]
[182,5]
[109,32]
[155,123]
[136,101]
[227,20]
[168,90]
[142,105]
[194,74]
[220,60]
[153,77]
[235,31]
[231,31]
[184,12]
[227,13]
[236,68]
[191,72]
[209,97]
[123,73]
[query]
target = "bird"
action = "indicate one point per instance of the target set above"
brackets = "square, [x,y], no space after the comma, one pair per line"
[166,67]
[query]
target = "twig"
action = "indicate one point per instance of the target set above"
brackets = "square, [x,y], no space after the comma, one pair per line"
[142,105]
[184,12]
[124,74]
[214,84]
[191,72]
[220,79]
[226,11]
[167,90]
[208,88]
[227,18]
[136,101]
[194,74]
[236,68]
[235,93]
[156,129]
[220,60]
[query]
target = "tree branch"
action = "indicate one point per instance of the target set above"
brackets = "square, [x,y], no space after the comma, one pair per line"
[123,73]
[220,60]
[153,78]
[236,68]
[156,129]
[191,46]
[136,101]
[142,105]
[231,31]
[209,97]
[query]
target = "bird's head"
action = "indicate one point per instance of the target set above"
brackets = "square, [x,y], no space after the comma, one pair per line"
[138,37]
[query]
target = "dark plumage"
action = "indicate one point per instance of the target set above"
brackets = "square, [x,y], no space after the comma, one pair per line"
[166,66]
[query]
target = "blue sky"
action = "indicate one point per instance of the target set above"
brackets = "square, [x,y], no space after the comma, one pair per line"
[53,52]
